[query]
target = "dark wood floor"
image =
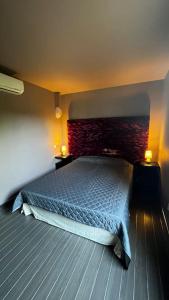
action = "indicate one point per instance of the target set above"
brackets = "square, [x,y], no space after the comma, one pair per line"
[38,261]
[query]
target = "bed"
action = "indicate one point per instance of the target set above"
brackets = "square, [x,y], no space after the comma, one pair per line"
[90,196]
[93,191]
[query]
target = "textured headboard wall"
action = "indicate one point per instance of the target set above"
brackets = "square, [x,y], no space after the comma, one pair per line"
[127,135]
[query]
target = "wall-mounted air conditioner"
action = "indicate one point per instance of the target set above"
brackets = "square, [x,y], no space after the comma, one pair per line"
[11,85]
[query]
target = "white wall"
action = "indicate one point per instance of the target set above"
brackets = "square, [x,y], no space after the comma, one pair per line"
[119,101]
[164,145]
[27,135]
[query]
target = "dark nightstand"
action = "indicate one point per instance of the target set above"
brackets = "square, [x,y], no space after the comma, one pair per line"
[147,183]
[63,161]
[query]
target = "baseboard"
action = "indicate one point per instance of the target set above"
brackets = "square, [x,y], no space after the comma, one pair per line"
[8,205]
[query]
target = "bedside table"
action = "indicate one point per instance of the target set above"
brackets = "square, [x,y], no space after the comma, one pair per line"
[147,182]
[63,161]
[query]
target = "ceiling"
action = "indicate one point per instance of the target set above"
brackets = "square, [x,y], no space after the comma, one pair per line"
[77,45]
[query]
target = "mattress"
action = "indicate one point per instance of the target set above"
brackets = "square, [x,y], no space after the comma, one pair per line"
[91,190]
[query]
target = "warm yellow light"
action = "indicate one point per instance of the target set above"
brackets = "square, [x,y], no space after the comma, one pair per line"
[148,156]
[58,112]
[63,150]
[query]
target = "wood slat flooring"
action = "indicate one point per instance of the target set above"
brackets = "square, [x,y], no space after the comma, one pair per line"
[38,261]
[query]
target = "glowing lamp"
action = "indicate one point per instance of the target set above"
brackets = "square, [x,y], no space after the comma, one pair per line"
[58,112]
[63,150]
[148,156]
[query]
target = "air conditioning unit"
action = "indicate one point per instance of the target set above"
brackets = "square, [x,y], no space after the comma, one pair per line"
[11,85]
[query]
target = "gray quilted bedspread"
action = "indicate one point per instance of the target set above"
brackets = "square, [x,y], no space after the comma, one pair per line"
[91,190]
